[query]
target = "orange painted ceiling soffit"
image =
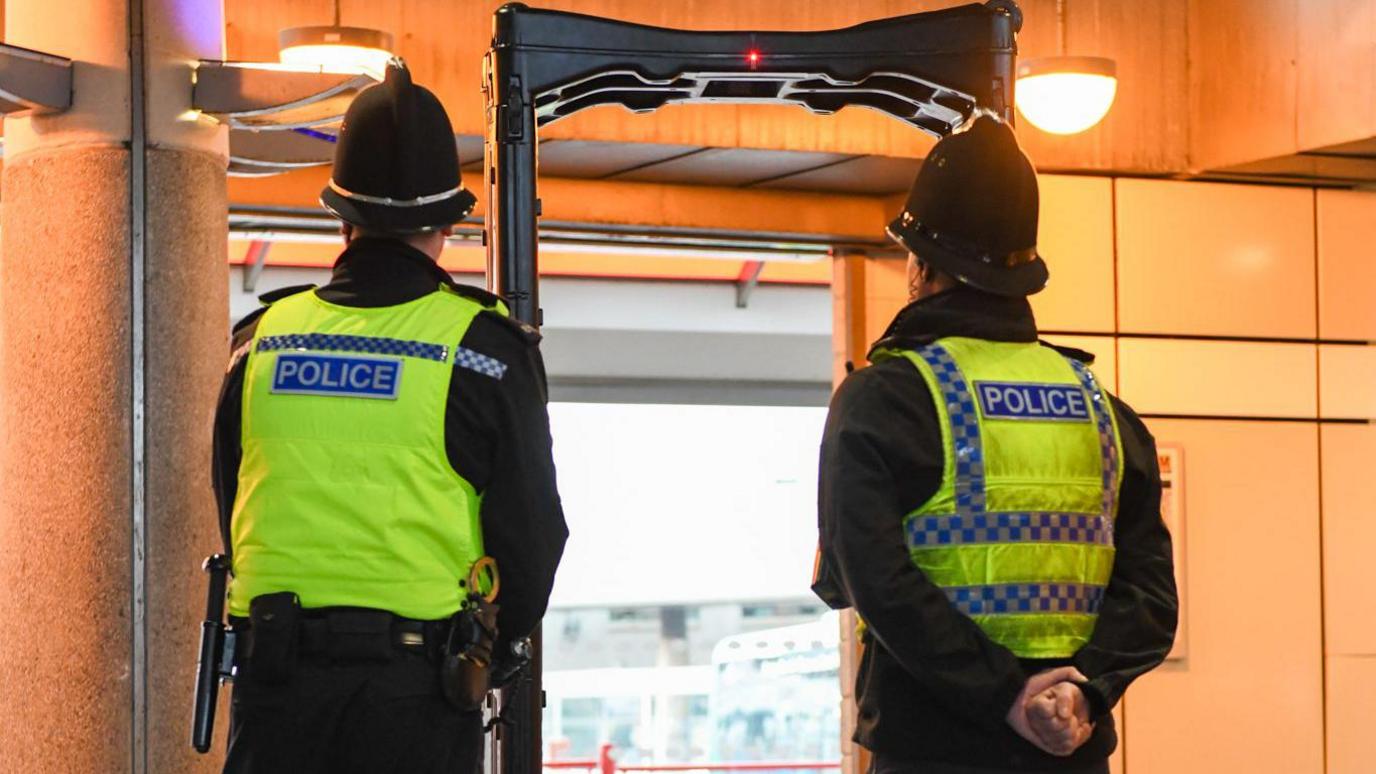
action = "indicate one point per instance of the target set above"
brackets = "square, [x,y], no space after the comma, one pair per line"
[471,260]
[635,204]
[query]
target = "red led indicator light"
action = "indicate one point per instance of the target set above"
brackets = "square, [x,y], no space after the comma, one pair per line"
[753,58]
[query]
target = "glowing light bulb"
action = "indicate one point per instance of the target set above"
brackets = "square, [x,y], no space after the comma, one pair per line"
[336,49]
[1066,94]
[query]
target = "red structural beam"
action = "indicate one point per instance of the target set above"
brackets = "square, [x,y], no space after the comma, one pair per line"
[589,763]
[604,763]
[740,766]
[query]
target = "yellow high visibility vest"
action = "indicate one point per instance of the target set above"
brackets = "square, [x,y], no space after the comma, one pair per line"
[1020,534]
[346,494]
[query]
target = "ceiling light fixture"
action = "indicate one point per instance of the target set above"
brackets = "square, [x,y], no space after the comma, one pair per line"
[1066,94]
[336,48]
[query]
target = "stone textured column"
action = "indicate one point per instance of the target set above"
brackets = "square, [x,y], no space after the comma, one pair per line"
[97,652]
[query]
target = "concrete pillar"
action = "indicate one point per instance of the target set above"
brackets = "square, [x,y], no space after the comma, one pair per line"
[112,342]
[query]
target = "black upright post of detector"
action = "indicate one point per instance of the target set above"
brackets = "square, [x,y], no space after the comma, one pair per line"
[513,210]
[933,71]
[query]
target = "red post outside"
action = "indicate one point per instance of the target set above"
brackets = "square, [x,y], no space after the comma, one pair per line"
[605,763]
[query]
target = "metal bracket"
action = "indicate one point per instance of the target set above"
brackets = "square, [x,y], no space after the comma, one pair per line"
[254,261]
[257,152]
[253,95]
[746,283]
[33,82]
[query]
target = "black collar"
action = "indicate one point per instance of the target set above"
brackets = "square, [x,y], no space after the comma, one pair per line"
[960,311]
[382,272]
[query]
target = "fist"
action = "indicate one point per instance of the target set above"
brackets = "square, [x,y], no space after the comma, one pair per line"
[1052,713]
[1059,717]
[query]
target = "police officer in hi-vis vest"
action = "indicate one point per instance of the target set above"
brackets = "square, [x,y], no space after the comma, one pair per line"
[988,508]
[383,470]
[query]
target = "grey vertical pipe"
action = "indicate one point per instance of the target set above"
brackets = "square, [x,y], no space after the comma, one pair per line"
[138,209]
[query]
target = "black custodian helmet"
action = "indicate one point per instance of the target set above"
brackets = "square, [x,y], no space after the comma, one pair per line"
[972,212]
[396,165]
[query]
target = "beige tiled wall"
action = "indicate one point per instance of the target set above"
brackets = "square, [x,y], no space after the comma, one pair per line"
[1347,281]
[1351,707]
[1349,542]
[1215,259]
[1347,380]
[1223,294]
[1248,697]
[1075,235]
[1256,303]
[1218,378]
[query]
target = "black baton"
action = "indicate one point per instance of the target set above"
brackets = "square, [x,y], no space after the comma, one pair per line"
[208,666]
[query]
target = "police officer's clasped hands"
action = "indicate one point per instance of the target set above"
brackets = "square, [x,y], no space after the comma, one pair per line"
[1052,713]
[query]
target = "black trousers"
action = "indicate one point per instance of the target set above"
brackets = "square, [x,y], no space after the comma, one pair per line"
[347,718]
[883,764]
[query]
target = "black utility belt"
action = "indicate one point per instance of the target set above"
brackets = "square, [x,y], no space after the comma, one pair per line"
[350,634]
[280,632]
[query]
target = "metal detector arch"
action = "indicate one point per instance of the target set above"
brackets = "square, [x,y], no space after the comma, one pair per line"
[931,70]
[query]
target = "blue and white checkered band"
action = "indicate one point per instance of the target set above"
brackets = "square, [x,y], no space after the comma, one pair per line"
[1027,598]
[1108,445]
[965,435]
[477,361]
[1026,527]
[337,342]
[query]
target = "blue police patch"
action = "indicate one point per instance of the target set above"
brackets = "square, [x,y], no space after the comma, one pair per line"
[346,376]
[1040,402]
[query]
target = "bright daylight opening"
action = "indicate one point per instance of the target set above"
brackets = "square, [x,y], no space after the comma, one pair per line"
[682,628]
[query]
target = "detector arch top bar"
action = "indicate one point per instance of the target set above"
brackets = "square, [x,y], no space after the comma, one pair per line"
[931,70]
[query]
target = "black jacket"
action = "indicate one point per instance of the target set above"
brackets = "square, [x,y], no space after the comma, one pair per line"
[496,432]
[932,686]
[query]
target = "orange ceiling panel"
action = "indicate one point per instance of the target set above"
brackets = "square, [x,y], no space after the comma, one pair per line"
[635,204]
[471,260]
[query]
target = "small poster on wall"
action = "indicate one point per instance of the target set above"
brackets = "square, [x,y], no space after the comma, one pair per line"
[1171,458]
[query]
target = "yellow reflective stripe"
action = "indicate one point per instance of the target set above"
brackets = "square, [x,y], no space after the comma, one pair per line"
[997,563]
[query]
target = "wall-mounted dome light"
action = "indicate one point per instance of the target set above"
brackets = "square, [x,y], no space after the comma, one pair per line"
[336,48]
[1066,94]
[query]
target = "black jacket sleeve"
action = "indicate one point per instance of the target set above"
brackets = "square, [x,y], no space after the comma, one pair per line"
[1137,621]
[882,456]
[497,436]
[225,444]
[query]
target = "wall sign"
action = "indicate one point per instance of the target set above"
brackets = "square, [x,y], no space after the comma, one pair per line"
[1171,458]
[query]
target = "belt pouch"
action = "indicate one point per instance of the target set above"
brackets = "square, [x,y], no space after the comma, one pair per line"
[465,674]
[273,627]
